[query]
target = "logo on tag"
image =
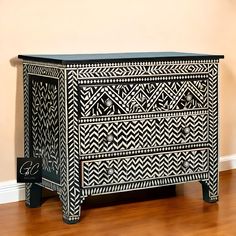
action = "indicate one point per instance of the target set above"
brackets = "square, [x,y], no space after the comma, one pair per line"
[29,170]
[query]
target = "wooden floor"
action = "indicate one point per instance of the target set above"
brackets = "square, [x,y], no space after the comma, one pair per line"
[182,214]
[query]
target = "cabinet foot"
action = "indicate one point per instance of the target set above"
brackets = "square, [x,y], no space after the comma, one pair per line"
[207,196]
[71,219]
[33,195]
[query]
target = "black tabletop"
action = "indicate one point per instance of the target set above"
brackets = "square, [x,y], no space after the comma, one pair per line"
[116,57]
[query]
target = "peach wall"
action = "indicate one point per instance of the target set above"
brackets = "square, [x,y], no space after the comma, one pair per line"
[90,26]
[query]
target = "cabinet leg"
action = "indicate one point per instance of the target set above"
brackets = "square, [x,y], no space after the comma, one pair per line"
[70,218]
[71,208]
[208,196]
[33,195]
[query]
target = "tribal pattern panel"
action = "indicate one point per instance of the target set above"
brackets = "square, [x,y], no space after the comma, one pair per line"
[28,71]
[140,168]
[146,97]
[26,111]
[124,187]
[145,133]
[140,69]
[44,70]
[44,133]
[213,133]
[72,188]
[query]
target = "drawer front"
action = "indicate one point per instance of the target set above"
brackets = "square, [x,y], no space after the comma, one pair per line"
[146,97]
[140,168]
[139,134]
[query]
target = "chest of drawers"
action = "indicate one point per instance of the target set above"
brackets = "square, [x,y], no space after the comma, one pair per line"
[107,123]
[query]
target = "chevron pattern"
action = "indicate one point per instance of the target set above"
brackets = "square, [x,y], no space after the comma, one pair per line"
[71,212]
[34,141]
[139,168]
[144,184]
[146,133]
[27,193]
[45,125]
[140,70]
[147,97]
[152,102]
[26,110]
[213,133]
[26,126]
[63,193]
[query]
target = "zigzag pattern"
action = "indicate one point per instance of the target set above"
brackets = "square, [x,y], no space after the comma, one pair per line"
[26,110]
[27,193]
[140,70]
[213,132]
[137,134]
[140,168]
[63,144]
[130,172]
[46,105]
[50,185]
[73,167]
[147,97]
[26,126]
[52,72]
[45,125]
[144,184]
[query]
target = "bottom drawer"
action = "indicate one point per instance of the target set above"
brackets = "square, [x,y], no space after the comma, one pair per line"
[144,167]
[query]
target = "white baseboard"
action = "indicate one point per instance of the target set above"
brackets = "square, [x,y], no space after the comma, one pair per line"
[227,162]
[11,191]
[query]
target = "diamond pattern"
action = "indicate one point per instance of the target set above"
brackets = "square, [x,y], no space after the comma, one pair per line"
[145,97]
[174,95]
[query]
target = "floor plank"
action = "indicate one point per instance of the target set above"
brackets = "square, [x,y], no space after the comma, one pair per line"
[182,214]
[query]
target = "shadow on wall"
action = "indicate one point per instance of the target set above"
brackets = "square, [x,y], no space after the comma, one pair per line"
[19,112]
[227,132]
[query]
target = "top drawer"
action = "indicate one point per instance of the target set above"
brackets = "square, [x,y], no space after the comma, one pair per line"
[146,97]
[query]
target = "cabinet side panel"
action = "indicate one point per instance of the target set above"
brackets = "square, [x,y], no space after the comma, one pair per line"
[44,124]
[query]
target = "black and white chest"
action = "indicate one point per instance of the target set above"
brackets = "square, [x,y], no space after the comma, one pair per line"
[107,123]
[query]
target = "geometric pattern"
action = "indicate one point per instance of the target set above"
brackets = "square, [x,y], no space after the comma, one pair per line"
[144,97]
[140,69]
[141,168]
[73,165]
[44,123]
[145,184]
[63,193]
[27,193]
[26,126]
[51,71]
[26,110]
[152,115]
[150,104]
[31,71]
[145,133]
[212,182]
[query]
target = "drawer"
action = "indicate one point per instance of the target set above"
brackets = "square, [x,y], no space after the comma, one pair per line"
[145,133]
[140,168]
[146,97]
